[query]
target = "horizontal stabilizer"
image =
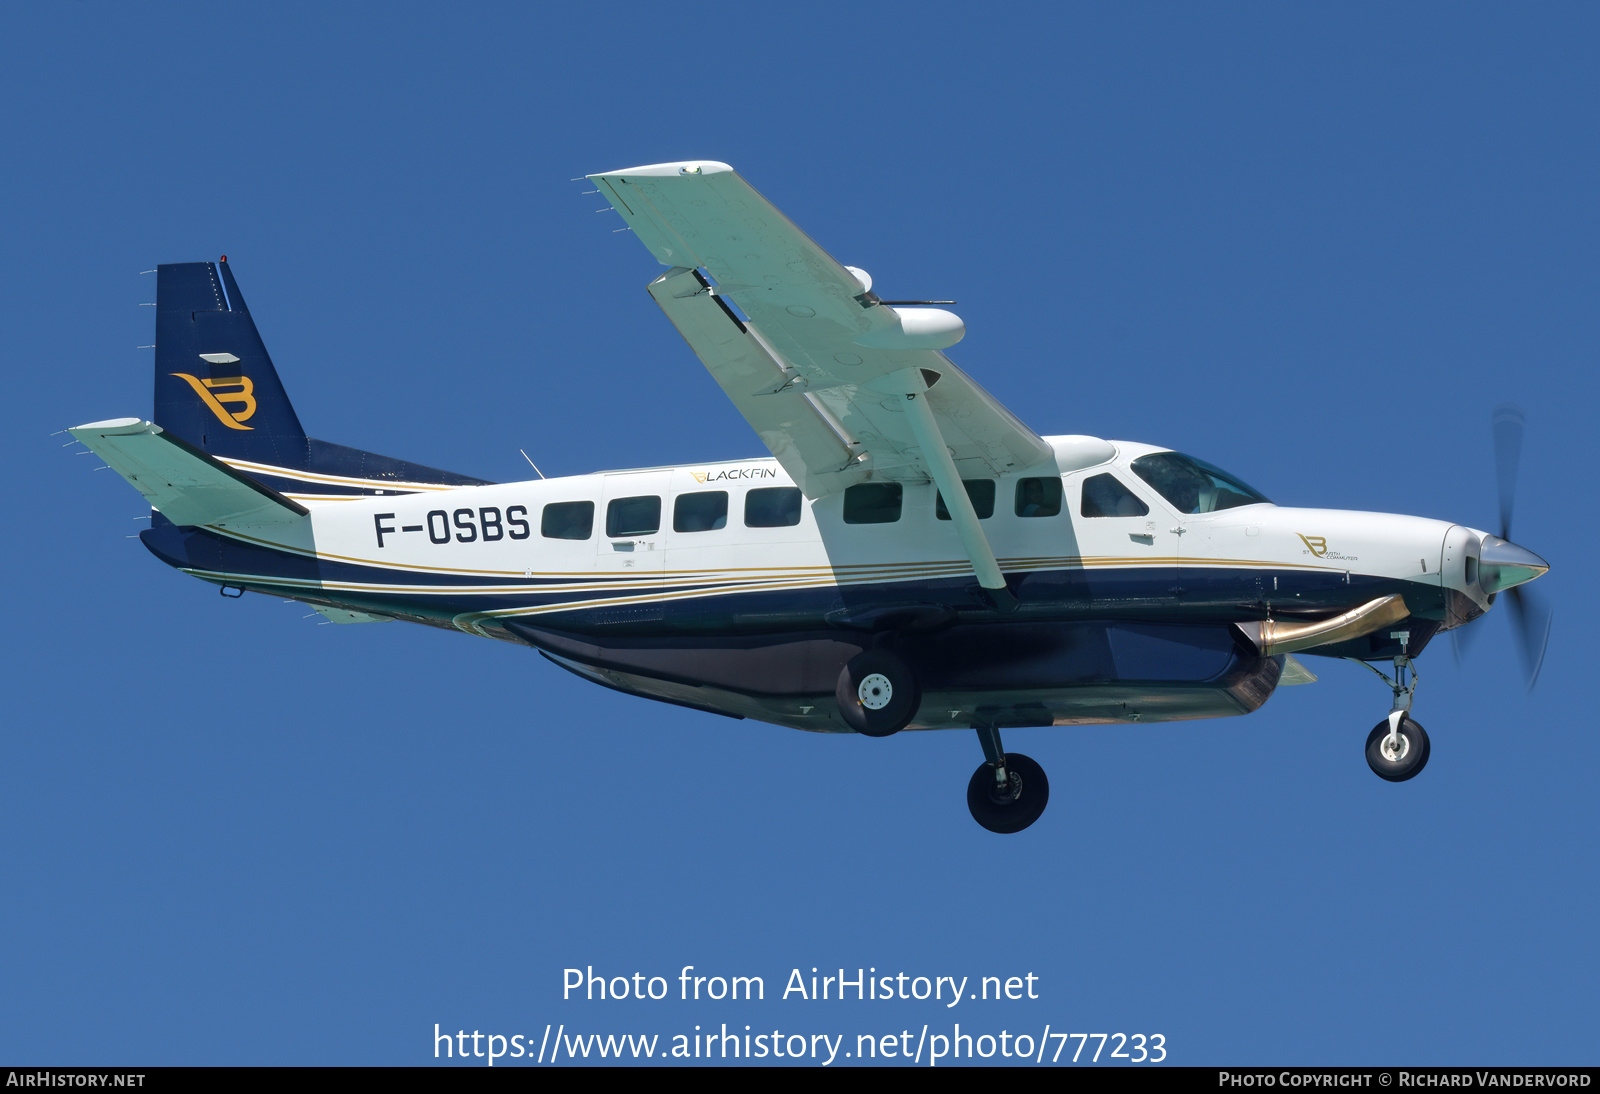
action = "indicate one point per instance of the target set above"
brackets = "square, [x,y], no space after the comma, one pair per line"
[186,485]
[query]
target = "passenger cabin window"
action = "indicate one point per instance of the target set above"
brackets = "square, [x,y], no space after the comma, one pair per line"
[772,507]
[872,503]
[1193,486]
[633,517]
[700,512]
[1105,496]
[981,491]
[567,520]
[1038,497]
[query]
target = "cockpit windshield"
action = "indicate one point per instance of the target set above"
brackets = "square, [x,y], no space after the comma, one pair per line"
[1193,486]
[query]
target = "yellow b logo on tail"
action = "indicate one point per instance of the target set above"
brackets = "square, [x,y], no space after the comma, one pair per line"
[206,389]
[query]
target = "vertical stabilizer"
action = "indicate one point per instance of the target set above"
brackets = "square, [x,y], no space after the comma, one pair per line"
[215,386]
[216,389]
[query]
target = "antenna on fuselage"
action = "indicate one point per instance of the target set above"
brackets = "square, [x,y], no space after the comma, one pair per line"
[531,463]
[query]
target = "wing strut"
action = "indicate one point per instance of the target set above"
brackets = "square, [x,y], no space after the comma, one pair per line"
[913,384]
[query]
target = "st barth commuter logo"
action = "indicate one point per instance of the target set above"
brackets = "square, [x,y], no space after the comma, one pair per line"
[213,398]
[1318,545]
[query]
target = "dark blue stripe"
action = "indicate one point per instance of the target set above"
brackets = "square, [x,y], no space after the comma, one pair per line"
[1172,595]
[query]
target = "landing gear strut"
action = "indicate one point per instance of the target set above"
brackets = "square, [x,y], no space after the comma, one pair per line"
[1008,792]
[1397,747]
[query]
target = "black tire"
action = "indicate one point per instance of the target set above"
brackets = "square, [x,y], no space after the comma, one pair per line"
[997,815]
[1414,753]
[877,693]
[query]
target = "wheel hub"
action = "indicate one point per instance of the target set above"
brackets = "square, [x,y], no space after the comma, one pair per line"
[1009,792]
[1394,748]
[875,691]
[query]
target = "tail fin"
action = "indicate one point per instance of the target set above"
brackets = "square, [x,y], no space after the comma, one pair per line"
[215,385]
[216,388]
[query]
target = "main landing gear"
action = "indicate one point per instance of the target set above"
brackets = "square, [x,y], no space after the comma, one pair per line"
[1397,747]
[878,694]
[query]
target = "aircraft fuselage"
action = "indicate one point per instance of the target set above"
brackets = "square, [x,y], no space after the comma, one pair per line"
[1119,617]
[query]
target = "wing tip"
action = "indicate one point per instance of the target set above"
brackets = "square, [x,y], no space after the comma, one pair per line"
[665,170]
[112,426]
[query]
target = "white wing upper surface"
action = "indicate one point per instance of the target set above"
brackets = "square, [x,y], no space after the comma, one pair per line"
[813,370]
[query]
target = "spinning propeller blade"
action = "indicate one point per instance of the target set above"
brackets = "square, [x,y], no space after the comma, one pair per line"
[1462,639]
[1508,423]
[1532,620]
[1530,617]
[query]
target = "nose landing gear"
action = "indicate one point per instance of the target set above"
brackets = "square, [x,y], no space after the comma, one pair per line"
[1397,747]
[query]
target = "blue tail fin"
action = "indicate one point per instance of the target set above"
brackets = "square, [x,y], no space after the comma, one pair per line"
[215,385]
[216,388]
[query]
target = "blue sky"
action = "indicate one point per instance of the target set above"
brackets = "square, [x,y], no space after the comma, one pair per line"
[1313,244]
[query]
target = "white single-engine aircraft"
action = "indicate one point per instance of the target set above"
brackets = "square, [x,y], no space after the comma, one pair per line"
[912,557]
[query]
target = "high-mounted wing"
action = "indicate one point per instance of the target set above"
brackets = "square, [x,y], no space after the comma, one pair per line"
[823,370]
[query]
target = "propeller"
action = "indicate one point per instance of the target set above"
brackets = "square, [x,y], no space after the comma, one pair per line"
[1530,616]
[1508,426]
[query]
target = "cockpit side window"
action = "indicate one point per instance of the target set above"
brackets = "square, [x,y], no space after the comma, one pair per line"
[1105,496]
[1194,486]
